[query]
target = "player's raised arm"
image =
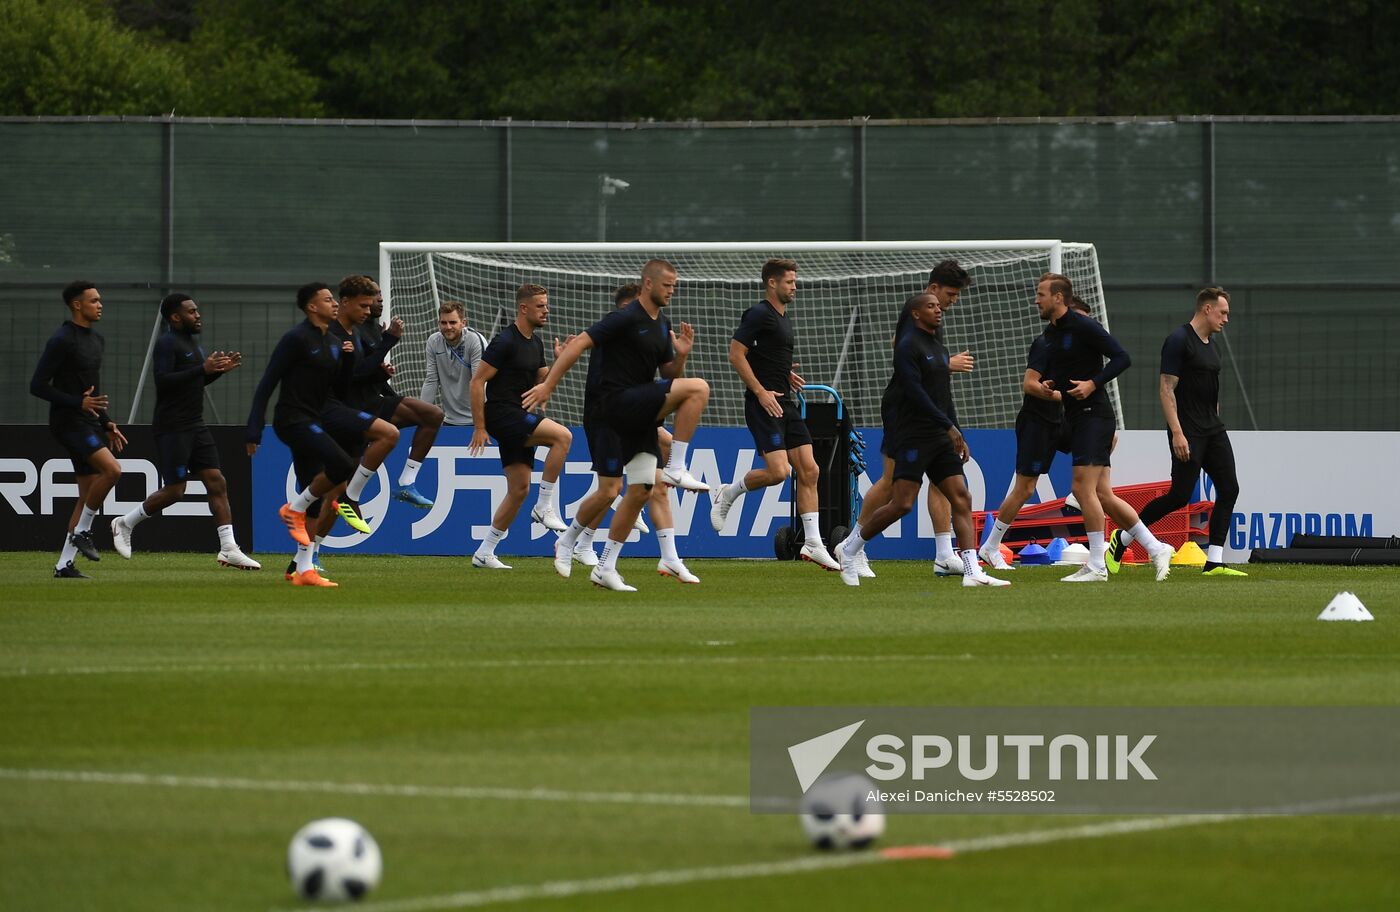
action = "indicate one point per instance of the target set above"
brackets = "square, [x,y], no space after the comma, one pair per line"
[537,395]
[681,347]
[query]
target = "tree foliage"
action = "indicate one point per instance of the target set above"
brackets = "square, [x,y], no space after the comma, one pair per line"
[720,60]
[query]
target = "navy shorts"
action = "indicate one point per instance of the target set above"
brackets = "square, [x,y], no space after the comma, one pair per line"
[918,456]
[385,406]
[786,433]
[1037,441]
[1091,437]
[81,439]
[315,450]
[510,426]
[631,413]
[181,454]
[604,445]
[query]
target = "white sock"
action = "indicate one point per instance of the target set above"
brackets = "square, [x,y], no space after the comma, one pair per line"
[65,556]
[303,501]
[571,535]
[943,545]
[410,473]
[135,517]
[358,482]
[676,463]
[970,565]
[810,530]
[1096,551]
[226,539]
[585,539]
[993,541]
[1215,554]
[734,490]
[853,546]
[85,520]
[1126,536]
[850,538]
[617,502]
[316,545]
[488,544]
[1149,541]
[303,558]
[545,500]
[610,552]
[667,539]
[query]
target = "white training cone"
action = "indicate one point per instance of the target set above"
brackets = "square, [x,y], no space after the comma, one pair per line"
[1345,607]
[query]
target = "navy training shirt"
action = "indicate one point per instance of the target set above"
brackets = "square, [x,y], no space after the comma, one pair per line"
[628,347]
[921,380]
[178,366]
[517,361]
[360,380]
[304,364]
[70,365]
[769,337]
[1038,360]
[1078,346]
[1196,364]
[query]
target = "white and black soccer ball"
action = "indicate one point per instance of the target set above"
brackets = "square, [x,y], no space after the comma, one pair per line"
[838,812]
[333,860]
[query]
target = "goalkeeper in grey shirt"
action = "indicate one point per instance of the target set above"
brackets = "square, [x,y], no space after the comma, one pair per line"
[452,356]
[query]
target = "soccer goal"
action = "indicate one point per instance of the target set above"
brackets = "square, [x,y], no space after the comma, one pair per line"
[849,295]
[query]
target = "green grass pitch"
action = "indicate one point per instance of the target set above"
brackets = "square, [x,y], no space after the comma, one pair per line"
[211,713]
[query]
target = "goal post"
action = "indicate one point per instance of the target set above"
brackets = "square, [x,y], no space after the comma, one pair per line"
[849,295]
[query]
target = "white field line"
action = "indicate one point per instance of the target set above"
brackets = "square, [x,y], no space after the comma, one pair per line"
[595,662]
[565,888]
[220,783]
[599,662]
[622,882]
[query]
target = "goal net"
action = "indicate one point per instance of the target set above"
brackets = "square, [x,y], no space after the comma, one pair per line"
[848,298]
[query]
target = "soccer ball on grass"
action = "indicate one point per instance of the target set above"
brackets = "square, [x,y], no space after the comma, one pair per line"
[333,860]
[838,813]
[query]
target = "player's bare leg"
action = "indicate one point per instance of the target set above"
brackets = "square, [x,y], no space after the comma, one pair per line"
[576,543]
[686,400]
[380,439]
[558,438]
[1128,521]
[659,505]
[92,491]
[954,491]
[427,419]
[875,498]
[517,488]
[1085,485]
[1022,487]
[605,575]
[946,561]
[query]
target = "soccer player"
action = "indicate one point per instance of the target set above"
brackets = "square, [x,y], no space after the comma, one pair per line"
[309,420]
[605,447]
[761,353]
[1190,394]
[512,364]
[633,343]
[924,441]
[184,444]
[946,281]
[452,354]
[364,381]
[1039,435]
[67,377]
[1078,345]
